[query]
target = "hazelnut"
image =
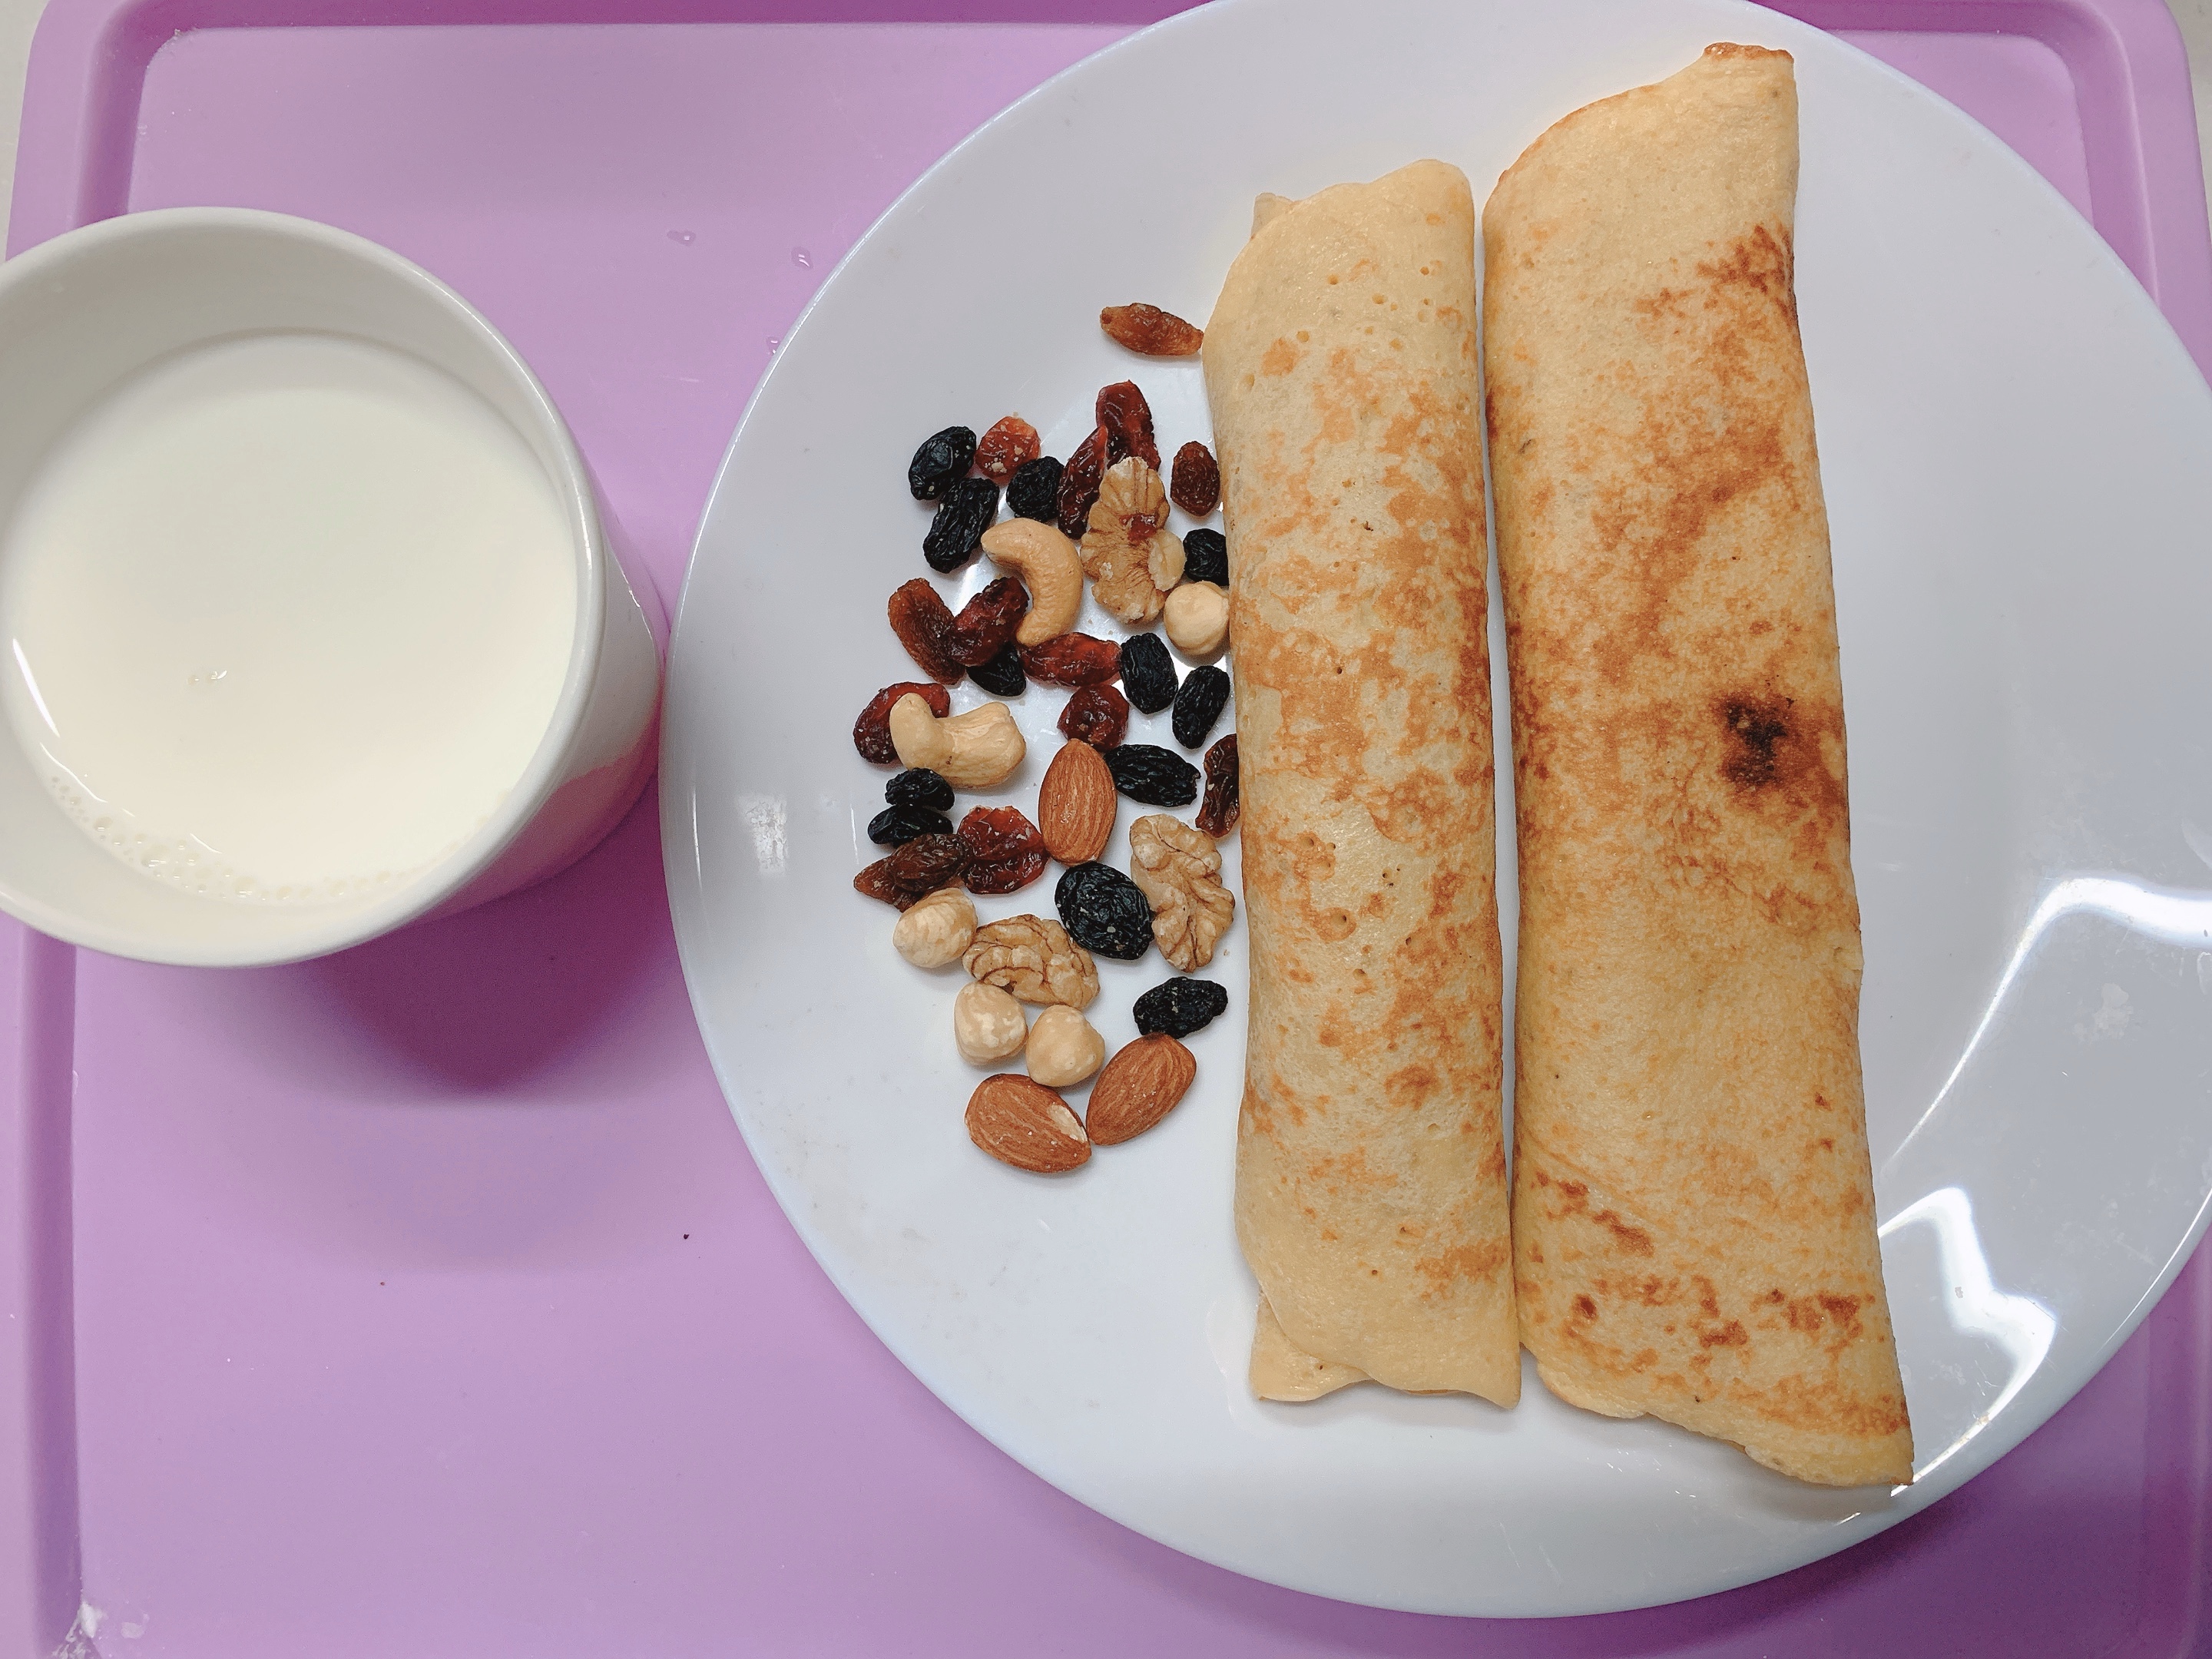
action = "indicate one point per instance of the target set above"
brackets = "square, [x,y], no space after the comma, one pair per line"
[1064,1048]
[937,929]
[988,1023]
[1197,618]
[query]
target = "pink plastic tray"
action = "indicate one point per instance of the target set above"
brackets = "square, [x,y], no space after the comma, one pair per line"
[423,1300]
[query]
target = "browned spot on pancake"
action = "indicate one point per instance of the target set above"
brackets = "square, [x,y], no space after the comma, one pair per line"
[1409,1085]
[1843,1310]
[1280,359]
[1760,262]
[1732,49]
[1585,1307]
[1757,728]
[1826,1408]
[1460,1261]
[1634,1240]
[1347,1170]
[1730,1335]
[1334,924]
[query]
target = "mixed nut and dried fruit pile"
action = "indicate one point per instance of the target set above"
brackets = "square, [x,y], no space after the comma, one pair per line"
[1100,516]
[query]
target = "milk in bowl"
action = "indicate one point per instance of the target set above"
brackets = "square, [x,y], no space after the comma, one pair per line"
[286,617]
[308,625]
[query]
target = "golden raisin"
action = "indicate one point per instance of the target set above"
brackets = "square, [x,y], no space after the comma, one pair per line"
[924,626]
[1196,486]
[1007,445]
[1149,331]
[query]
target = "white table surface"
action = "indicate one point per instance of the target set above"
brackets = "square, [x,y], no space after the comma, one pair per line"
[19,17]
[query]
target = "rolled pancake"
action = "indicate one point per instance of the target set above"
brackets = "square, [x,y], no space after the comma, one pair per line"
[1693,1207]
[1371,1168]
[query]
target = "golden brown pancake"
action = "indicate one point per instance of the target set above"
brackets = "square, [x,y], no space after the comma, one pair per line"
[1370,1172]
[1693,1205]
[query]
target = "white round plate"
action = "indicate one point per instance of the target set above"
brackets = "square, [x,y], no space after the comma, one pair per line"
[2017,458]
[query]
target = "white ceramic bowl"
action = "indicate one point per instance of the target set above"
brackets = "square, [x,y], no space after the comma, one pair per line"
[82,314]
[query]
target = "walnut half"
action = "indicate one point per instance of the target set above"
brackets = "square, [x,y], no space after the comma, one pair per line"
[1035,960]
[1130,554]
[1179,868]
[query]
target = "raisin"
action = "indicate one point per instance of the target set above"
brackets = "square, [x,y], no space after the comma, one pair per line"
[1205,558]
[1180,1006]
[1009,444]
[1078,485]
[872,733]
[895,826]
[1196,484]
[926,628]
[1104,911]
[1033,490]
[1072,660]
[918,786]
[1002,677]
[961,518]
[940,463]
[1198,706]
[986,622]
[921,867]
[1006,851]
[1126,420]
[1098,715]
[1154,775]
[1151,332]
[1148,674]
[1223,802]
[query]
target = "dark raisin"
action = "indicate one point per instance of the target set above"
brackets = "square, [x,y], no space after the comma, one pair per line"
[1033,490]
[1006,851]
[1149,331]
[1009,443]
[1148,674]
[1223,802]
[939,463]
[1127,419]
[1104,911]
[1078,485]
[1154,775]
[895,826]
[986,622]
[919,787]
[1198,706]
[963,517]
[872,733]
[1072,660]
[920,866]
[1205,558]
[1180,1006]
[926,628]
[1097,715]
[1002,677]
[1195,486]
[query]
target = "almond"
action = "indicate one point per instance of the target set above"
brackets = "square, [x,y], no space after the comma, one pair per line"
[1025,1124]
[1139,1086]
[1076,804]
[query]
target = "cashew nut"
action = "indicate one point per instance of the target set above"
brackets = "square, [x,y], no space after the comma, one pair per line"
[1046,561]
[1198,618]
[973,750]
[988,1023]
[1064,1050]
[937,929]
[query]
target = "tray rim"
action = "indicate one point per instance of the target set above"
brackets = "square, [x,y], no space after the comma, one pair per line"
[88,68]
